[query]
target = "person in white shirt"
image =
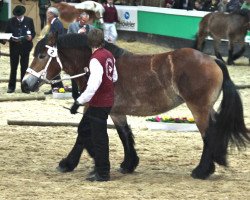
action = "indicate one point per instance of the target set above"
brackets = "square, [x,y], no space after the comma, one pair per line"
[99,94]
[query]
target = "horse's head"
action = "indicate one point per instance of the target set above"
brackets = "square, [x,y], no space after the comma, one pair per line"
[45,65]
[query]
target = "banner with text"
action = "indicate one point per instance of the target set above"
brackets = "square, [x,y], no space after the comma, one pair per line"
[128,18]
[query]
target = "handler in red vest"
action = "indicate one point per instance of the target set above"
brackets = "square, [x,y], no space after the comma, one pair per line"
[100,96]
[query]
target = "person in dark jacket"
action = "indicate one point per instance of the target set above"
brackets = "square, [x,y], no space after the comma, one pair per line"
[43,6]
[82,27]
[20,44]
[56,26]
[233,5]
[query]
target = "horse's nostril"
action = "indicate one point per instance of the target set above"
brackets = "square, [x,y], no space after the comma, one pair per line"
[25,86]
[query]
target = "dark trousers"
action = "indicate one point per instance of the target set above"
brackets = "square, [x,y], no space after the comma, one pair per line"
[57,85]
[93,128]
[43,20]
[75,92]
[17,53]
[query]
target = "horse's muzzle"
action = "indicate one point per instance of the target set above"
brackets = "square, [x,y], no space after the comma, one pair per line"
[31,83]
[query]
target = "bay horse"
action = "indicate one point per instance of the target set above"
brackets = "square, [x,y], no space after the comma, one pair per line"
[148,85]
[218,25]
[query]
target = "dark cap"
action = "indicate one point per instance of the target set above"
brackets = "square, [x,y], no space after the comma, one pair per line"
[19,10]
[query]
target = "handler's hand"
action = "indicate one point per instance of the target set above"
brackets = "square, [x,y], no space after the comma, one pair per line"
[74,108]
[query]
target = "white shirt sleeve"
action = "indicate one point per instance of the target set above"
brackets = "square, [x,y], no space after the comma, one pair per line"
[94,82]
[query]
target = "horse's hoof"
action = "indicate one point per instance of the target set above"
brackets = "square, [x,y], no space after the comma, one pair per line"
[230,63]
[129,168]
[196,174]
[64,166]
[62,169]
[124,171]
[199,173]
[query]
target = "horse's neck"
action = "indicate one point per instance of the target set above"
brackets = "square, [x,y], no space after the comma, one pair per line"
[74,65]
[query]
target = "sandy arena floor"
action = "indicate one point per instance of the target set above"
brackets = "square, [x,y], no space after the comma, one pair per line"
[30,154]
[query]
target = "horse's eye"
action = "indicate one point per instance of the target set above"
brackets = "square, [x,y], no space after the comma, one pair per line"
[41,56]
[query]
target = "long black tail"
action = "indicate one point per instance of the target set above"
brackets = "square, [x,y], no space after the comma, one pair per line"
[229,125]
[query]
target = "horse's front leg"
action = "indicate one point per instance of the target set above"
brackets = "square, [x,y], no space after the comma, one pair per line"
[83,141]
[131,160]
[216,44]
[200,40]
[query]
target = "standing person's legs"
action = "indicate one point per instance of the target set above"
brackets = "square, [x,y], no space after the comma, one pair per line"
[14,60]
[43,20]
[83,141]
[113,33]
[106,31]
[98,121]
[55,85]
[59,84]
[75,93]
[24,61]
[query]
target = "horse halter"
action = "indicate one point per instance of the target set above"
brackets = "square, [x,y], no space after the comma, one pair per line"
[42,75]
[52,52]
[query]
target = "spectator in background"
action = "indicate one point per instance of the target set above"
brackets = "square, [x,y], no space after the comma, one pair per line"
[81,27]
[184,4]
[246,5]
[73,1]
[198,5]
[210,5]
[55,26]
[222,6]
[169,3]
[110,18]
[233,5]
[43,6]
[1,4]
[23,32]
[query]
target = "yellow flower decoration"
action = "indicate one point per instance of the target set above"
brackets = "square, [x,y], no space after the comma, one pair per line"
[191,119]
[61,90]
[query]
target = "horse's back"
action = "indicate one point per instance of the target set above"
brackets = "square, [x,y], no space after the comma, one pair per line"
[223,25]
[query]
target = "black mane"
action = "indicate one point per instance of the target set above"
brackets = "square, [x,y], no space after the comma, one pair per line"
[115,50]
[40,46]
[74,40]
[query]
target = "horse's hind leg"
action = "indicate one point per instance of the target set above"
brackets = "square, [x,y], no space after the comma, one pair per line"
[131,160]
[237,55]
[206,166]
[230,60]
[83,140]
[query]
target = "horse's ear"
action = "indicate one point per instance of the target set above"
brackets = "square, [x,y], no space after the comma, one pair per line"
[52,38]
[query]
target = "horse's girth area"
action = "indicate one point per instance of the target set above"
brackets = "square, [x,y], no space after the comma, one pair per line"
[170,61]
